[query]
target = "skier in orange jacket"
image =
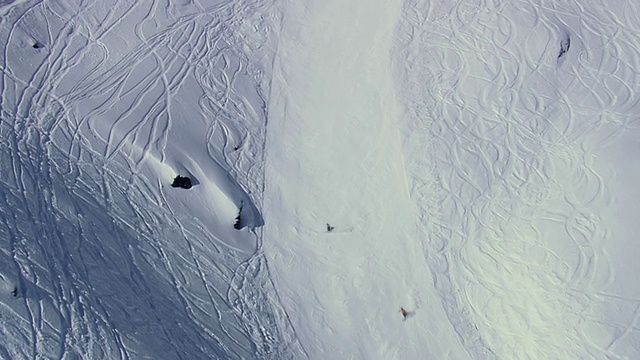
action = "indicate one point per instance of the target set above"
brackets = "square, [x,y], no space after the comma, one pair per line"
[403,312]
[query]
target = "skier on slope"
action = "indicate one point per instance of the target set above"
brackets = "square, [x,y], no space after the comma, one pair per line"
[404,313]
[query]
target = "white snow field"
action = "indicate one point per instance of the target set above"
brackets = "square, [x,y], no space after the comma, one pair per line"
[473,162]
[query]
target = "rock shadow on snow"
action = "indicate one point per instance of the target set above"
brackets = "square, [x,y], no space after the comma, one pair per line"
[7,286]
[248,216]
[14,284]
[564,42]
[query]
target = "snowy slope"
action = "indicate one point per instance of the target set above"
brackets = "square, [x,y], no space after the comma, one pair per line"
[472,162]
[529,112]
[467,166]
[109,261]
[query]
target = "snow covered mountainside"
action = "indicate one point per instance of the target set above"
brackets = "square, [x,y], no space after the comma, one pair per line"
[103,104]
[472,162]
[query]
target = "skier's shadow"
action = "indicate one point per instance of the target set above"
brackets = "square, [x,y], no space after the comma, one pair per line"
[408,314]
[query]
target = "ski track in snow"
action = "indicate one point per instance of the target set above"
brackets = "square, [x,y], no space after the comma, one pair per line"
[499,164]
[506,188]
[89,131]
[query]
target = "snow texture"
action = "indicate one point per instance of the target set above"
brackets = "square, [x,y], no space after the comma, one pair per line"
[472,162]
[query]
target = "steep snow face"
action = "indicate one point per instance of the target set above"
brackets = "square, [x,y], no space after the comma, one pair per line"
[521,132]
[340,228]
[490,208]
[103,104]
[470,162]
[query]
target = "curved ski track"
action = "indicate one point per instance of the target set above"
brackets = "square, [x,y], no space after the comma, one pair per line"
[111,267]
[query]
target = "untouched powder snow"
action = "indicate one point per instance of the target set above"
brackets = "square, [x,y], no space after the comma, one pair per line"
[472,162]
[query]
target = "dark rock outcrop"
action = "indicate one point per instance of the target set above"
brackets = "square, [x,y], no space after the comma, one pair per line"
[182,182]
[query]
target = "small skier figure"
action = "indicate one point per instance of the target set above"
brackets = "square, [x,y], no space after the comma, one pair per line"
[404,313]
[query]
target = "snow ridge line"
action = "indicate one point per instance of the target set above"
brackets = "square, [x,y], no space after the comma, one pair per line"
[252,292]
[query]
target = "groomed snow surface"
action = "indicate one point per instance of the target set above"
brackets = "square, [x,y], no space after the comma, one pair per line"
[472,162]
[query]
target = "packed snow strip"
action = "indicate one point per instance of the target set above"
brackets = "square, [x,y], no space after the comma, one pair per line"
[510,109]
[103,104]
[340,230]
